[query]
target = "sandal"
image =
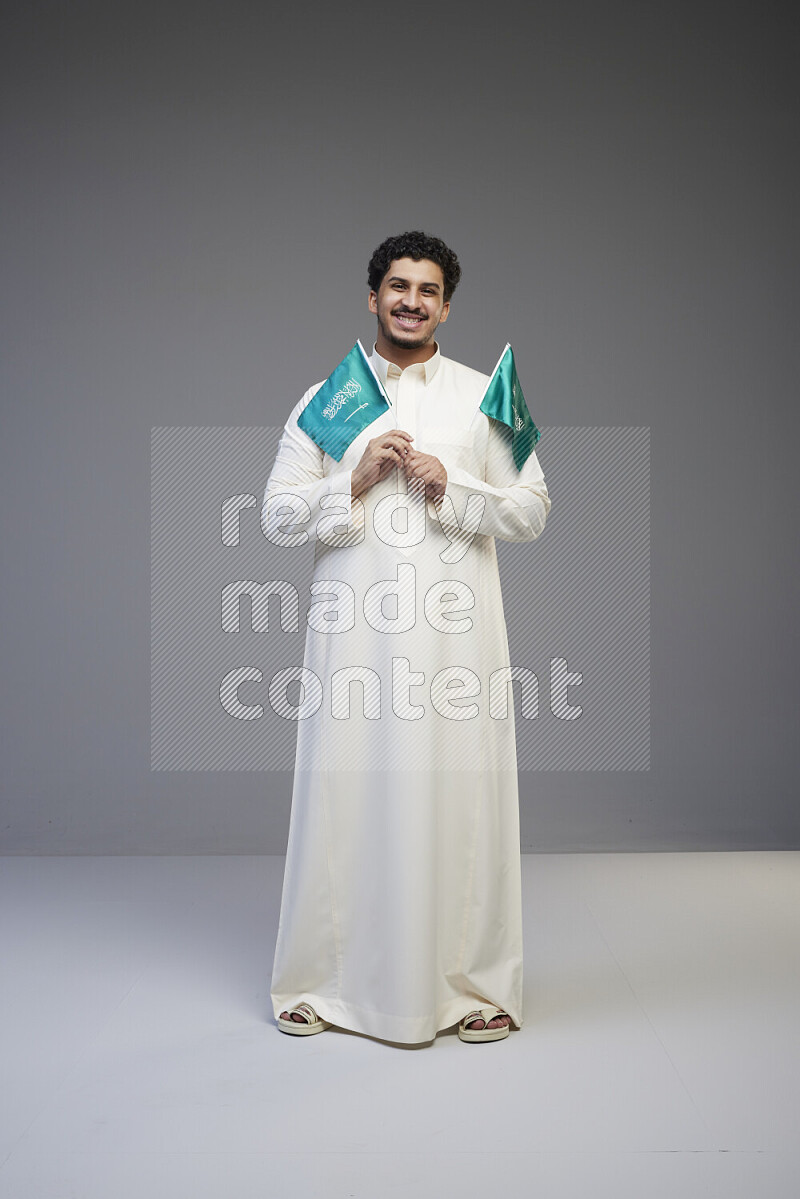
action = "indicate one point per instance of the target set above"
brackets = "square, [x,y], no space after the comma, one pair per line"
[484,1034]
[313,1023]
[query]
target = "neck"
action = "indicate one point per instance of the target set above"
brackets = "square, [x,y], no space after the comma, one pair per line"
[404,356]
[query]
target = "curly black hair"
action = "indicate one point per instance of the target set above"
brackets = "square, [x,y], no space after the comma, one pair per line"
[414,245]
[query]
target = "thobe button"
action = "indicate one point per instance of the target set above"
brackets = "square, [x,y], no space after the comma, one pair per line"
[408,385]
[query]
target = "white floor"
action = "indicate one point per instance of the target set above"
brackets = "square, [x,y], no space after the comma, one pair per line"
[660,1055]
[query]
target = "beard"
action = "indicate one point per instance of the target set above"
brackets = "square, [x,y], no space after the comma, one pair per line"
[408,342]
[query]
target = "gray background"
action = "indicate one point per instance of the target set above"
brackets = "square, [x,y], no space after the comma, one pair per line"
[190,196]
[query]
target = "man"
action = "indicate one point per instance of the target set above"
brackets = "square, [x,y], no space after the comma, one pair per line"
[401,905]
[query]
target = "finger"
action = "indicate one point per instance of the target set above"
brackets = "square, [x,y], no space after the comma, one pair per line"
[396,437]
[432,479]
[414,460]
[390,454]
[401,446]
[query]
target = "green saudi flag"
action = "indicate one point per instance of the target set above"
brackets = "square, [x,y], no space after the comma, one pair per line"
[503,400]
[349,400]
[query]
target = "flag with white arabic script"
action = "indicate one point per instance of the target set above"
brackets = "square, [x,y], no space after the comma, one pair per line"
[503,400]
[349,400]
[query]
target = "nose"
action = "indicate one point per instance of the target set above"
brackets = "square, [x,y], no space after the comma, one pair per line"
[411,299]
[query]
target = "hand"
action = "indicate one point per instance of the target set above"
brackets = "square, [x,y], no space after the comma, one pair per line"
[382,454]
[428,467]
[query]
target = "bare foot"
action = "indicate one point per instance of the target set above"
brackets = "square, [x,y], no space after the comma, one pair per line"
[498,1022]
[298,1019]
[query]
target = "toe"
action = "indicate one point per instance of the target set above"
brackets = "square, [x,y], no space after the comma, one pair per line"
[500,1022]
[294,1016]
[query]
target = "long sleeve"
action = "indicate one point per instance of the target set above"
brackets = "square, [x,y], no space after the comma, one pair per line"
[516,501]
[301,499]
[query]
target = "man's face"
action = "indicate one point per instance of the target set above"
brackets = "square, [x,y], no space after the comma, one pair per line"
[409,303]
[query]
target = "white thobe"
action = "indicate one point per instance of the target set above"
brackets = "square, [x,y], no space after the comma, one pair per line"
[401,906]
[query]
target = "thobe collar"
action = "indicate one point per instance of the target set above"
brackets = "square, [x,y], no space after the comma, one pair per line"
[385,368]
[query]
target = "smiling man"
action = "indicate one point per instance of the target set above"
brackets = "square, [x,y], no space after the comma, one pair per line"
[401,908]
[410,302]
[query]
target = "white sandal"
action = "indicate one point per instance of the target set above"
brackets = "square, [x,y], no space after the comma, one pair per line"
[313,1023]
[484,1034]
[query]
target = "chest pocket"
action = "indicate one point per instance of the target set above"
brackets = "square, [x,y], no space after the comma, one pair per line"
[454,446]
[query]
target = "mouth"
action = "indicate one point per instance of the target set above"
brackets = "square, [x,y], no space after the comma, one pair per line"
[408,321]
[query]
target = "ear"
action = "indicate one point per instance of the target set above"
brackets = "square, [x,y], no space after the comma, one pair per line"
[445,310]
[372,302]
